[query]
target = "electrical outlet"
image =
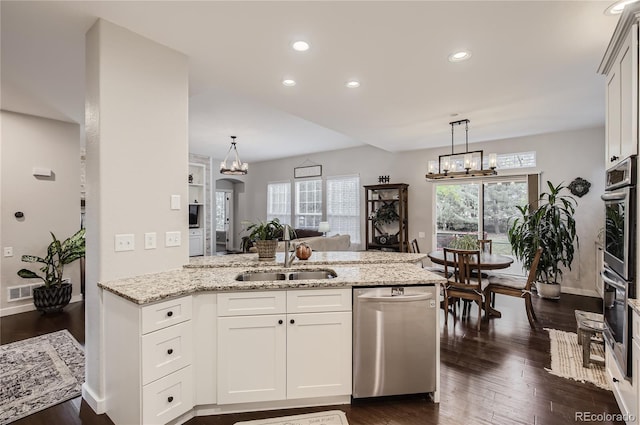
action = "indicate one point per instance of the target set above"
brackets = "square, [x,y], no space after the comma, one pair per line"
[8,251]
[124,242]
[150,240]
[172,239]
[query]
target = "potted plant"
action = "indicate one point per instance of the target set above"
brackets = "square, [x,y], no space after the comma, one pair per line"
[55,294]
[265,235]
[550,225]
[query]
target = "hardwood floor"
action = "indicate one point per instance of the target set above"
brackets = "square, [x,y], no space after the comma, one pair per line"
[495,376]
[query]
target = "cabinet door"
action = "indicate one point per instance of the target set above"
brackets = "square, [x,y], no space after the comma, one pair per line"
[627,63]
[613,117]
[251,358]
[196,245]
[318,354]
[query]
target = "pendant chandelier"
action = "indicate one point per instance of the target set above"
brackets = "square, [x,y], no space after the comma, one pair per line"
[462,164]
[238,167]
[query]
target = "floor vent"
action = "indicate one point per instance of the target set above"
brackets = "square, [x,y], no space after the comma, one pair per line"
[22,292]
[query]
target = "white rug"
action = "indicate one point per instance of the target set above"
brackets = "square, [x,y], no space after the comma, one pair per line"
[331,417]
[566,359]
[39,372]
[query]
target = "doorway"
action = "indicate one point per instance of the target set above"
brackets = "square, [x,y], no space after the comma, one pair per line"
[224,216]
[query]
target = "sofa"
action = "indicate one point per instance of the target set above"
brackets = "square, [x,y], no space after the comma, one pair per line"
[321,243]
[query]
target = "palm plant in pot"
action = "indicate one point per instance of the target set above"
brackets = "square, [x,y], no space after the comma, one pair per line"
[265,235]
[55,294]
[551,225]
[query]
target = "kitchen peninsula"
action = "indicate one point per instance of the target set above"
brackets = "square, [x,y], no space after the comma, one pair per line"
[200,342]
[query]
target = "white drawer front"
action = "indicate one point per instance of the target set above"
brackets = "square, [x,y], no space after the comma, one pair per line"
[167,398]
[195,232]
[166,313]
[252,303]
[166,351]
[318,300]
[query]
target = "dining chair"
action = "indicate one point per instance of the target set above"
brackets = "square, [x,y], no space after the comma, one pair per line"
[515,287]
[484,243]
[462,285]
[414,246]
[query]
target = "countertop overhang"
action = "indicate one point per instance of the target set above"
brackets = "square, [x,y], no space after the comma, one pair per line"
[218,273]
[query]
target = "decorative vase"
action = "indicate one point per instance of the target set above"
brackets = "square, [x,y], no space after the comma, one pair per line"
[303,251]
[266,249]
[548,290]
[52,299]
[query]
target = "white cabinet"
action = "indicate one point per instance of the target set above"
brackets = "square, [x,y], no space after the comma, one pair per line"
[196,242]
[269,350]
[148,355]
[620,65]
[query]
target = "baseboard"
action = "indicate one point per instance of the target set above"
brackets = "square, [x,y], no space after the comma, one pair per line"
[8,311]
[96,403]
[579,291]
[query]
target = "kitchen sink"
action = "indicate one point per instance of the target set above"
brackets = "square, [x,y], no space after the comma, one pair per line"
[250,276]
[312,274]
[260,276]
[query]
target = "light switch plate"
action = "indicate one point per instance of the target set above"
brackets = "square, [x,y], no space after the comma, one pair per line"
[8,251]
[421,234]
[150,240]
[172,239]
[175,202]
[124,242]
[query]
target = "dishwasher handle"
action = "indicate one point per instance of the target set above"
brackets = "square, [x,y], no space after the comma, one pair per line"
[396,298]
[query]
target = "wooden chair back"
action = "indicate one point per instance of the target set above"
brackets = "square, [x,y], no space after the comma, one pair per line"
[463,262]
[483,244]
[414,246]
[532,271]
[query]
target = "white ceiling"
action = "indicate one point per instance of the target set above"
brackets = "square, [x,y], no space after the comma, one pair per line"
[533,68]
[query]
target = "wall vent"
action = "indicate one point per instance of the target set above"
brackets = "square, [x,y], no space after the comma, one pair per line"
[22,292]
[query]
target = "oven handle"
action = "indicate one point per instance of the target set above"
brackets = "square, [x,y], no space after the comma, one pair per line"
[610,281]
[613,196]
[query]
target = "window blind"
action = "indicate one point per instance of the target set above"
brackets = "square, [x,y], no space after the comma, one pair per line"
[343,206]
[279,202]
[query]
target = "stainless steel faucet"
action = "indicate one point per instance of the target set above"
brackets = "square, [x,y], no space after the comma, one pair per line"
[286,237]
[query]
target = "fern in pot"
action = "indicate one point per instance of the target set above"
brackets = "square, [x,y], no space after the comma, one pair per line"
[55,294]
[264,235]
[551,226]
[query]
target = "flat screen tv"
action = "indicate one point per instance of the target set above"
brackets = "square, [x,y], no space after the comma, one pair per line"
[194,216]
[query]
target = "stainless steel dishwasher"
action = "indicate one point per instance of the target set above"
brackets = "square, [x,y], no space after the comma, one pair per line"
[394,340]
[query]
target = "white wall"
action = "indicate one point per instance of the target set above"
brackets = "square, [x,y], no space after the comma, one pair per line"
[137,157]
[48,204]
[560,157]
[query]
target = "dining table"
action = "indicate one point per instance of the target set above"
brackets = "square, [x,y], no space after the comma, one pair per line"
[488,261]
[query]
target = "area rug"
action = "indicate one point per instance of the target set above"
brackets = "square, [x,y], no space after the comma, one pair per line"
[39,372]
[331,417]
[566,359]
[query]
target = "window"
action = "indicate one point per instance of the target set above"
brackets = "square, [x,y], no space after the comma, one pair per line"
[221,213]
[343,206]
[506,161]
[279,202]
[482,207]
[308,204]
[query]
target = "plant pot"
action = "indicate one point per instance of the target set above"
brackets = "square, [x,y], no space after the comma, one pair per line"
[52,299]
[548,290]
[266,249]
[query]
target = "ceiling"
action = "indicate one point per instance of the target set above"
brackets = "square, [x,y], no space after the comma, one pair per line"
[532,70]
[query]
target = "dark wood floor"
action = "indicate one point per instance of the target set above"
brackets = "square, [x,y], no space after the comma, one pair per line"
[495,376]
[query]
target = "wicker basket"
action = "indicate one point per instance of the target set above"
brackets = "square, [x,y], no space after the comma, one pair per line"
[266,249]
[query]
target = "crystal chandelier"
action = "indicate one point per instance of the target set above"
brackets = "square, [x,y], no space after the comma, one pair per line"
[462,164]
[237,166]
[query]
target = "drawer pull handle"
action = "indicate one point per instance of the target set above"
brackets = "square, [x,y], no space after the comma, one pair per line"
[615,380]
[170,313]
[292,321]
[170,399]
[170,351]
[280,321]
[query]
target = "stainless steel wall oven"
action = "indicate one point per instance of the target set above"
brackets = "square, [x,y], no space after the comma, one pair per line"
[619,258]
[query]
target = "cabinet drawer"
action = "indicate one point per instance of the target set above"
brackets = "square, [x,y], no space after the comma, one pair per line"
[166,313]
[252,303]
[318,300]
[195,232]
[622,389]
[168,397]
[635,325]
[166,351]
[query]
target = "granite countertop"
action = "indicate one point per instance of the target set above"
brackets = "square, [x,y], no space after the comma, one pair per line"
[317,258]
[149,288]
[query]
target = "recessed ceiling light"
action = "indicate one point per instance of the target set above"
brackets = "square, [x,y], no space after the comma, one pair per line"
[352,84]
[300,46]
[288,83]
[460,56]
[617,7]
